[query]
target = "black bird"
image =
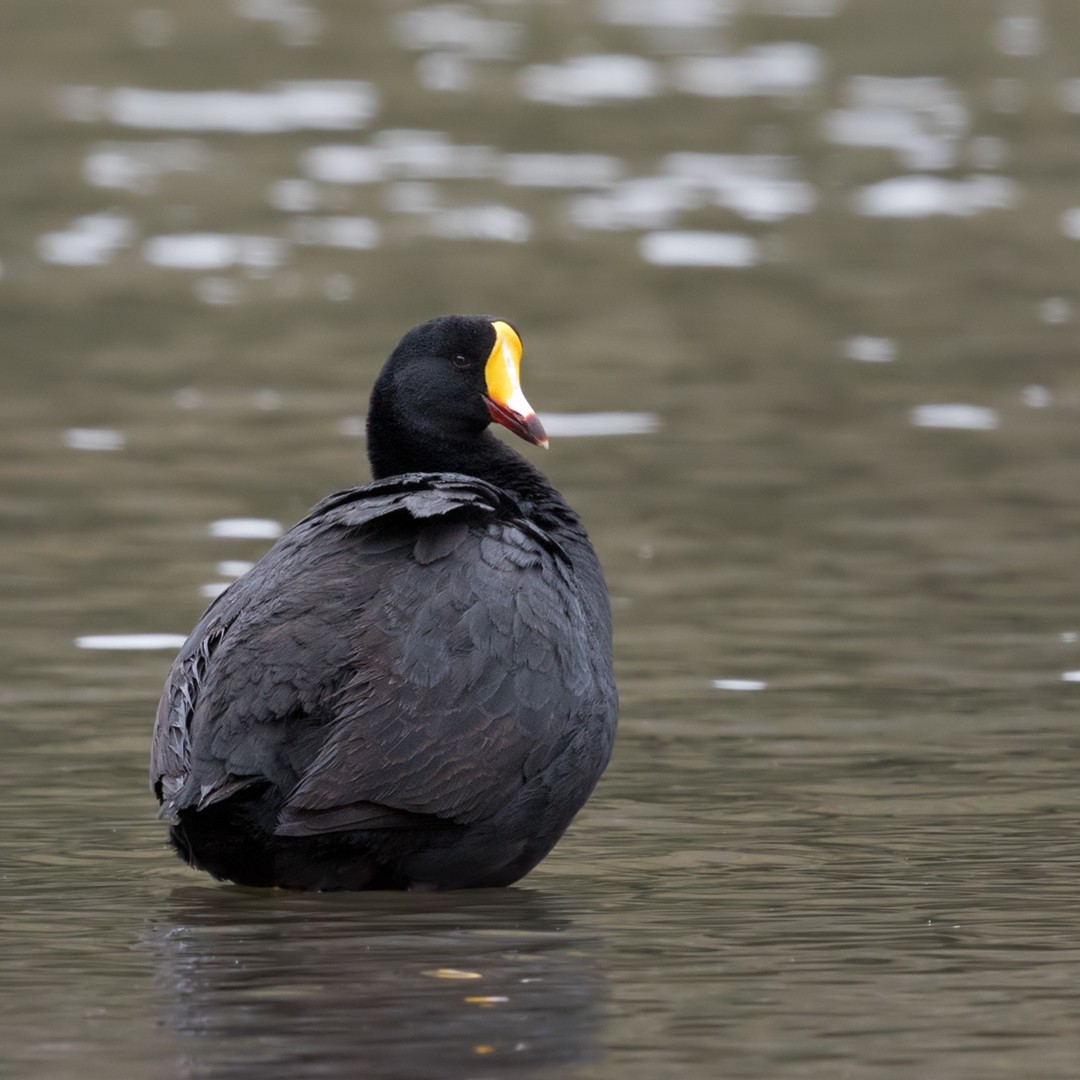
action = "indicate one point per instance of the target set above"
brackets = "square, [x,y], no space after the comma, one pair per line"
[413,688]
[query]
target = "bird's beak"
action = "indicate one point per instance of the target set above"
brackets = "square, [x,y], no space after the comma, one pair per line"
[502,377]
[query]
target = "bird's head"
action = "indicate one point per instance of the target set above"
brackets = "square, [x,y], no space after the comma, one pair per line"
[443,384]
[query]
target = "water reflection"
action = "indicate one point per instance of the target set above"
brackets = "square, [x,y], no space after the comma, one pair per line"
[400,154]
[334,105]
[689,248]
[137,167]
[971,417]
[491,221]
[246,528]
[561,170]
[783,69]
[264,984]
[738,684]
[921,119]
[459,29]
[684,14]
[94,439]
[298,23]
[90,240]
[131,642]
[870,350]
[591,80]
[576,425]
[924,196]
[213,251]
[640,203]
[759,187]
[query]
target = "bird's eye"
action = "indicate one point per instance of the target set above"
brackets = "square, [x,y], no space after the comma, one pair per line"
[461,362]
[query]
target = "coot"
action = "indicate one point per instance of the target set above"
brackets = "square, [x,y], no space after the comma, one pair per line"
[413,688]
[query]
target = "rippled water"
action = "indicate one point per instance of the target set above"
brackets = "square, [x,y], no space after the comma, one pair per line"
[804,272]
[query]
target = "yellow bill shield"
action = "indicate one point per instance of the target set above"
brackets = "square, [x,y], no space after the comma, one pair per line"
[502,376]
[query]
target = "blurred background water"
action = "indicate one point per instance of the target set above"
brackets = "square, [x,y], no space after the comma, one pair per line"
[798,285]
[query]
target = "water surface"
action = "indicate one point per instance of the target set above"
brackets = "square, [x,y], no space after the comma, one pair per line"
[797,285]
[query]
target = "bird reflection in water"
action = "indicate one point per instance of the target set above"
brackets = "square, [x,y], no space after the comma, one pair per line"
[446,985]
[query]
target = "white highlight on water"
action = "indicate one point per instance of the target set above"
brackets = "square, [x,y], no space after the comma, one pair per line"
[1020,35]
[400,154]
[1035,397]
[702,249]
[130,642]
[758,187]
[642,203]
[233,568]
[1070,223]
[560,170]
[90,240]
[782,69]
[94,439]
[926,196]
[738,684]
[968,417]
[801,9]
[297,22]
[352,427]
[343,164]
[455,27]
[591,80]
[492,221]
[213,251]
[870,350]
[922,119]
[1069,95]
[246,528]
[577,425]
[557,425]
[677,14]
[444,72]
[1055,310]
[314,104]
[416,154]
[137,166]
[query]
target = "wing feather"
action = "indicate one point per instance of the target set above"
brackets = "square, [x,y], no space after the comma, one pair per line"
[400,659]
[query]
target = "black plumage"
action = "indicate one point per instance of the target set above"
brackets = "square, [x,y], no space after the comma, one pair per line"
[413,688]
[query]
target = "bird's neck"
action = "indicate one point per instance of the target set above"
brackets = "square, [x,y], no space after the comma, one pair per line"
[484,456]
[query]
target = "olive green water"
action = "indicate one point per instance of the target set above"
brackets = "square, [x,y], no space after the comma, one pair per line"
[866,867]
